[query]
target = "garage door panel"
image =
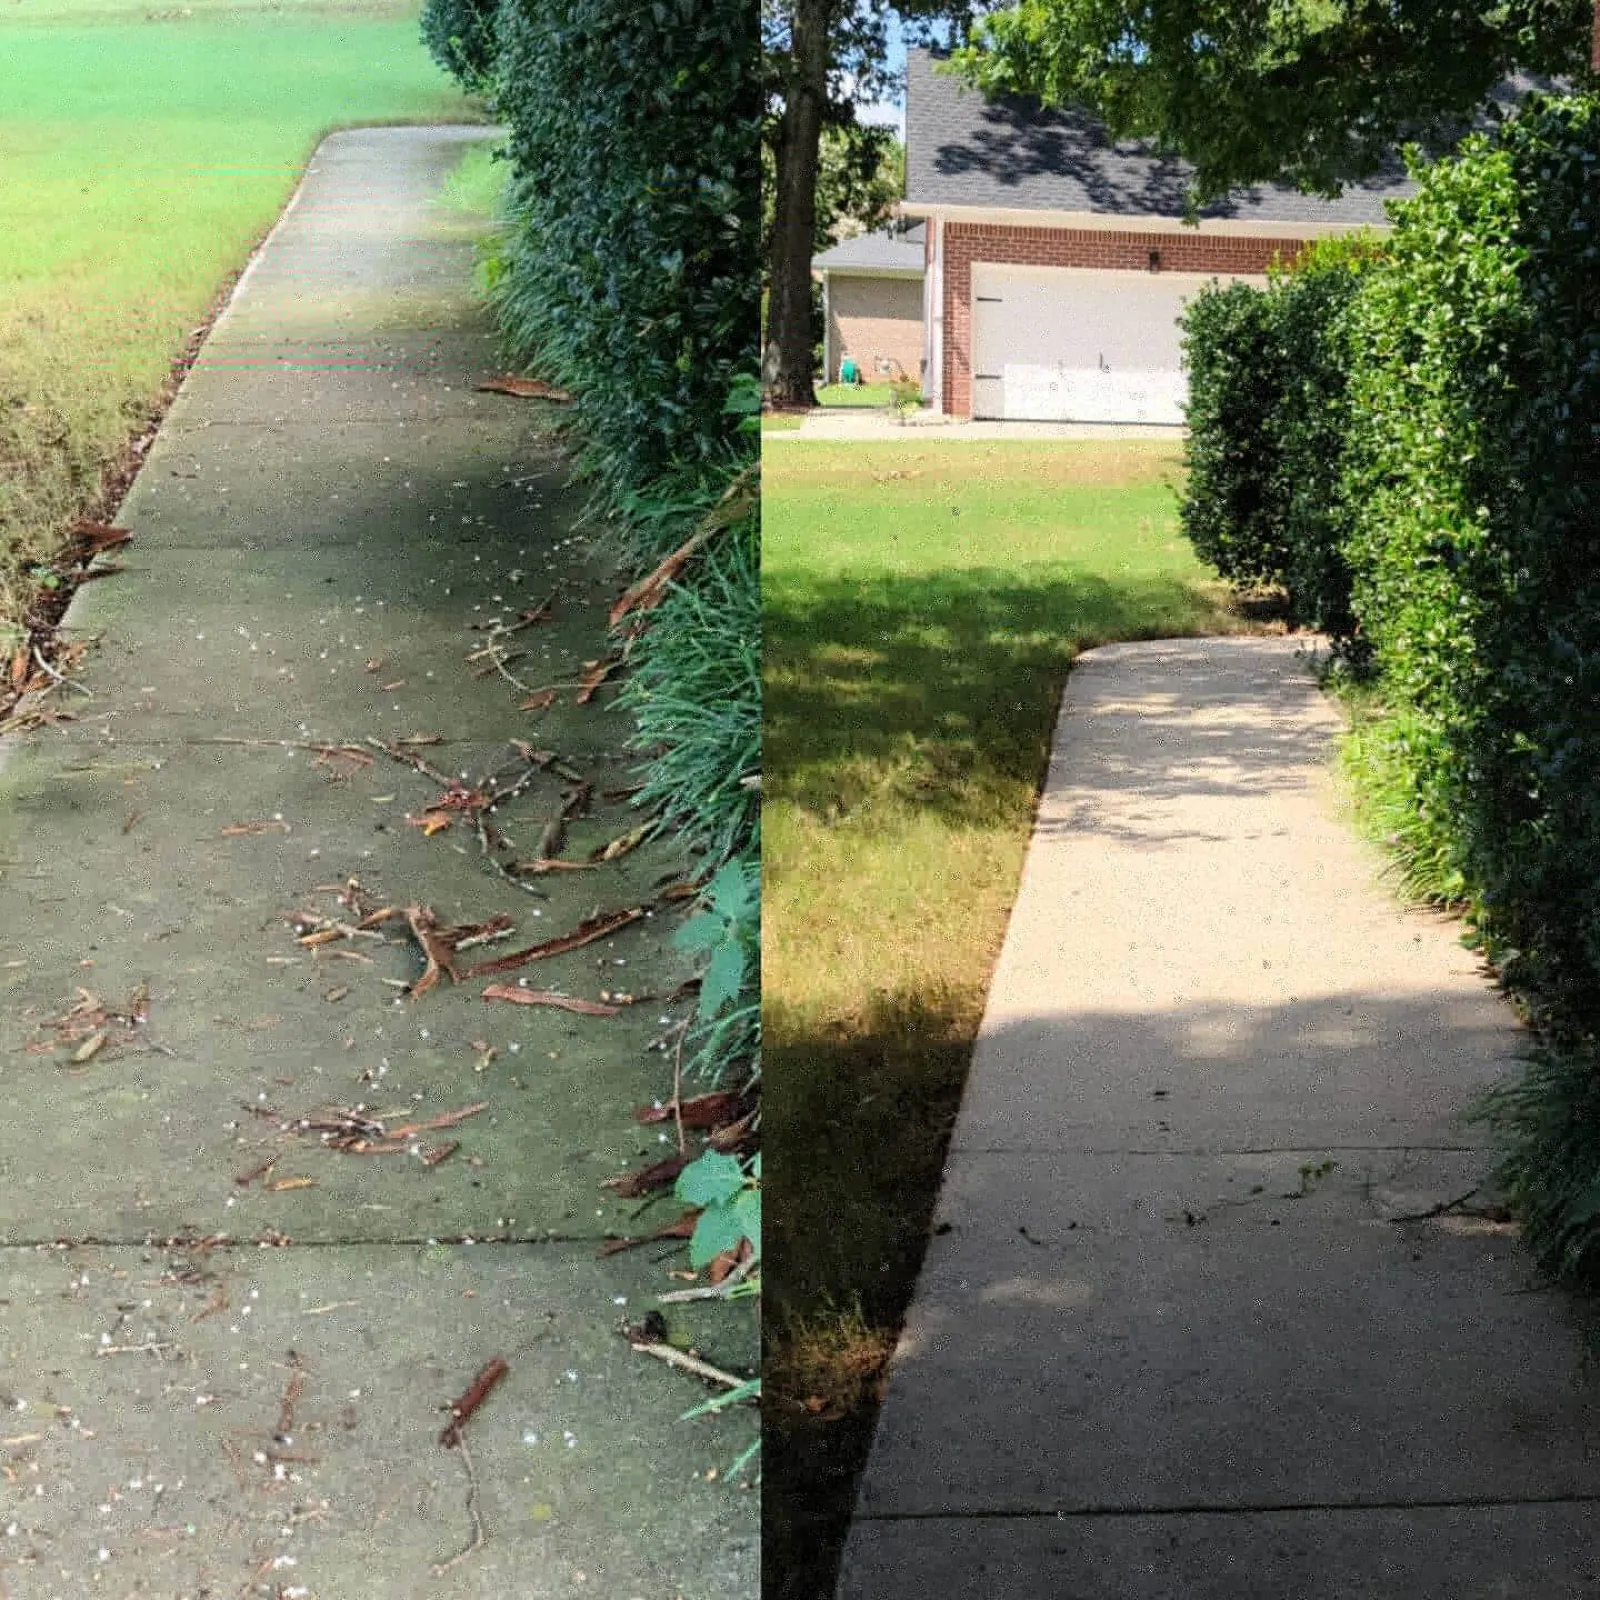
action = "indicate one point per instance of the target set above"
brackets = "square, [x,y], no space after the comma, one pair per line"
[1070,344]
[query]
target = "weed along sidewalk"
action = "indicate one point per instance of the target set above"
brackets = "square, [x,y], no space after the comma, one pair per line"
[312,1100]
[1219,1303]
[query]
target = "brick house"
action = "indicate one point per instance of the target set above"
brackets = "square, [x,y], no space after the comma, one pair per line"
[1056,262]
[872,303]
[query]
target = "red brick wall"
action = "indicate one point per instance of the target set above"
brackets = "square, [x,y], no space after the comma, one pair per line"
[873,320]
[965,243]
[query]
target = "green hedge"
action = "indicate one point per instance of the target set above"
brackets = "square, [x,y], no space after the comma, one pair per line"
[627,273]
[1268,371]
[633,274]
[1472,478]
[1234,509]
[459,35]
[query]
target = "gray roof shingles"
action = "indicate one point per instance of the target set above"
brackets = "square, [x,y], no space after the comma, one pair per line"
[887,248]
[964,150]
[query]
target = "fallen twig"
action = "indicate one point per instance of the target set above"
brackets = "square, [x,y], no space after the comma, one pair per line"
[461,1412]
[478,1539]
[446,1119]
[406,758]
[679,1228]
[71,683]
[715,1291]
[585,933]
[681,1359]
[1438,1210]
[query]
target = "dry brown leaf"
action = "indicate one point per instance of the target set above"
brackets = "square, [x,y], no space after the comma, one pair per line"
[539,702]
[97,536]
[704,1111]
[594,674]
[281,1184]
[90,1048]
[524,389]
[240,830]
[630,1185]
[621,845]
[548,997]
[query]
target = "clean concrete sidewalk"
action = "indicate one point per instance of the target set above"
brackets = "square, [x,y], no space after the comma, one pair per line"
[227,1348]
[1215,1307]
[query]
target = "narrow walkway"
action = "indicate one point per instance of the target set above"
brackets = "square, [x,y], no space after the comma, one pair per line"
[228,1346]
[1200,1320]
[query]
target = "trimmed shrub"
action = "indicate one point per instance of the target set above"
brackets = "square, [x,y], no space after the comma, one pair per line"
[1268,372]
[627,273]
[459,35]
[1313,329]
[1473,481]
[1235,508]
[632,275]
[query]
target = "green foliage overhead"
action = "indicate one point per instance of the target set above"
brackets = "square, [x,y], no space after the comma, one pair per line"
[459,35]
[1312,92]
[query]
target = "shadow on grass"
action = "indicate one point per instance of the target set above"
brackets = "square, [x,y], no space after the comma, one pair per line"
[863,1118]
[944,686]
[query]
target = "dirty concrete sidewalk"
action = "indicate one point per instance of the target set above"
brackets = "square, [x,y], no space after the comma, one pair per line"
[1218,1305]
[229,1344]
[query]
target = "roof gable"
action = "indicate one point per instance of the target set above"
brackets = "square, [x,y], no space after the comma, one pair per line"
[965,150]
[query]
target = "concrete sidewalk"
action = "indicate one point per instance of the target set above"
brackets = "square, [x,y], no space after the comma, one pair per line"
[1215,1308]
[228,1348]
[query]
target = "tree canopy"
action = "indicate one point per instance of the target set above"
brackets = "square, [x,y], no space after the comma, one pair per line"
[1317,93]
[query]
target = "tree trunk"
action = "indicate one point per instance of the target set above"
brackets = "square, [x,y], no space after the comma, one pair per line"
[786,363]
[1594,51]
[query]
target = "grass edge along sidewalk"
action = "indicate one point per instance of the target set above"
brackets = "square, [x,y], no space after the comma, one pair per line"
[122,247]
[922,607]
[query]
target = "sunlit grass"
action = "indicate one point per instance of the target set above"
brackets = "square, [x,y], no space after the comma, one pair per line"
[144,150]
[923,603]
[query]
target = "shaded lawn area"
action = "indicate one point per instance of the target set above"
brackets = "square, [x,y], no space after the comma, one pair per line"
[922,605]
[143,152]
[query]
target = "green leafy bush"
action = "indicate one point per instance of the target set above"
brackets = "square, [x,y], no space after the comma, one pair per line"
[1472,478]
[627,273]
[1268,373]
[1315,301]
[1235,508]
[632,271]
[459,35]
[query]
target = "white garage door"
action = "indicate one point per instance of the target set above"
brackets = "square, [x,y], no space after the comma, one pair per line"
[1069,344]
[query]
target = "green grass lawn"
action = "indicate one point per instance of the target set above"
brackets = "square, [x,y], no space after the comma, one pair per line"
[922,605]
[144,149]
[855,394]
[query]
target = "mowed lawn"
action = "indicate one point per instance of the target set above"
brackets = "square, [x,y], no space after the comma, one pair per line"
[144,150]
[923,603]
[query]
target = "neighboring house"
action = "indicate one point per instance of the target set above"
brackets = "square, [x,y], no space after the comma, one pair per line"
[1057,262]
[872,303]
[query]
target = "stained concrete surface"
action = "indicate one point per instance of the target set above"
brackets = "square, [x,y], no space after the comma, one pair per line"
[329,520]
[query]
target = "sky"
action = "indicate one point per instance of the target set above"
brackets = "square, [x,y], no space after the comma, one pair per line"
[888,113]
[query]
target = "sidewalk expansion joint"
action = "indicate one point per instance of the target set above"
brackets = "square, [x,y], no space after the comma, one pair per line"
[1265,1508]
[178,1241]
